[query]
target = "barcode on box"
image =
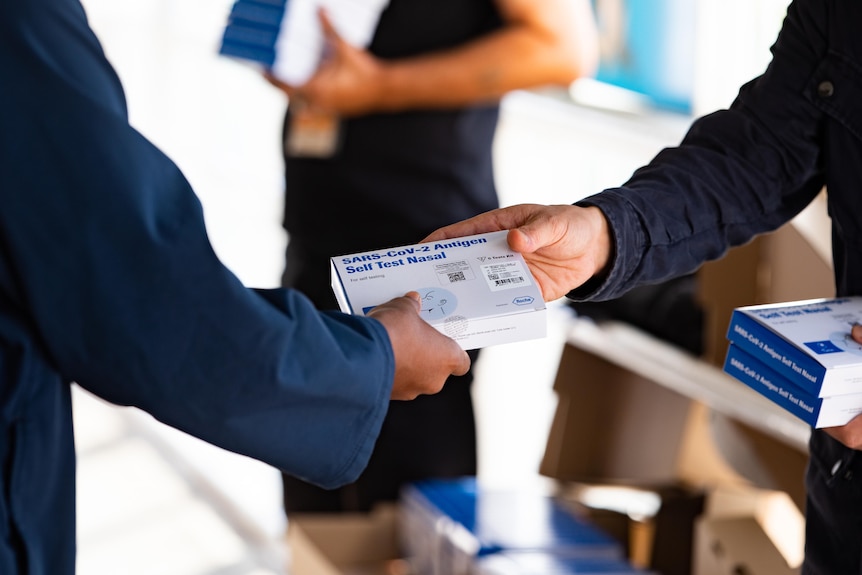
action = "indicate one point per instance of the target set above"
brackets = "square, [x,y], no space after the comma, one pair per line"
[505,275]
[509,281]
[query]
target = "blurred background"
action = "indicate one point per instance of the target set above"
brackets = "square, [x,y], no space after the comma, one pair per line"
[153,500]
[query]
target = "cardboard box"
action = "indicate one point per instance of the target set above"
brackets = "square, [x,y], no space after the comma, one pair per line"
[474,289]
[661,520]
[612,425]
[774,511]
[345,544]
[758,457]
[736,545]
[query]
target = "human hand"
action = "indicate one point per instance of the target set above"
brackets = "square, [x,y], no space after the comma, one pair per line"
[424,357]
[563,245]
[850,434]
[345,84]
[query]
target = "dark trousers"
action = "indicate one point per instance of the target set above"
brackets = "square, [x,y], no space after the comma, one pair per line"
[833,514]
[432,436]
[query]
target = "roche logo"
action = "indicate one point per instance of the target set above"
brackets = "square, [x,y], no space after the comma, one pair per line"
[523,300]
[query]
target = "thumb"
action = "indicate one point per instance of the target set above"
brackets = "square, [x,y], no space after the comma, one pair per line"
[856,332]
[534,228]
[521,240]
[330,34]
[532,236]
[416,298]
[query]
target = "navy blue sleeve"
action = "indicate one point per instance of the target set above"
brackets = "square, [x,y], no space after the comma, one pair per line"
[737,173]
[103,248]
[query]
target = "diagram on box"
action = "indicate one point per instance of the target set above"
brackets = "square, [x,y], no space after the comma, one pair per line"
[437,303]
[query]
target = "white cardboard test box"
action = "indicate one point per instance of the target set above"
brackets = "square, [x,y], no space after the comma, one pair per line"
[474,289]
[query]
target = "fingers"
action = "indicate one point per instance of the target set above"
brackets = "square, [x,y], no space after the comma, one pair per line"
[269,77]
[417,299]
[291,91]
[462,360]
[459,360]
[326,25]
[521,241]
[532,226]
[333,41]
[411,301]
[544,226]
[493,221]
[850,434]
[424,357]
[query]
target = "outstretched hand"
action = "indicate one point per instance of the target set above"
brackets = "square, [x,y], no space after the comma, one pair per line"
[563,245]
[850,434]
[424,357]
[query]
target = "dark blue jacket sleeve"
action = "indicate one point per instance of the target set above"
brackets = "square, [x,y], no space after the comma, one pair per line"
[737,173]
[103,247]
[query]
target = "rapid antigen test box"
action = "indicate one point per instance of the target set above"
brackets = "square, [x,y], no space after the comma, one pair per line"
[474,289]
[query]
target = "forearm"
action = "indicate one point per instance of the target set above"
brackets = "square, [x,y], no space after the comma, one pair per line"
[145,313]
[517,57]
[738,172]
[551,45]
[548,42]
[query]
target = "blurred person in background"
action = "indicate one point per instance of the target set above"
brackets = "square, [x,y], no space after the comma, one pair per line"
[108,280]
[411,124]
[737,173]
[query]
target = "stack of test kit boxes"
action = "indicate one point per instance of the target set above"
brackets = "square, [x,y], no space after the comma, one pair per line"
[474,289]
[252,31]
[456,527]
[800,355]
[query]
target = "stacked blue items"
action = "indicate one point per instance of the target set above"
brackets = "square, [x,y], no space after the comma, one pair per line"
[541,563]
[252,30]
[800,355]
[448,524]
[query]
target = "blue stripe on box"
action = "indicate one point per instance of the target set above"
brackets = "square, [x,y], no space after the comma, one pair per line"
[246,52]
[257,13]
[255,36]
